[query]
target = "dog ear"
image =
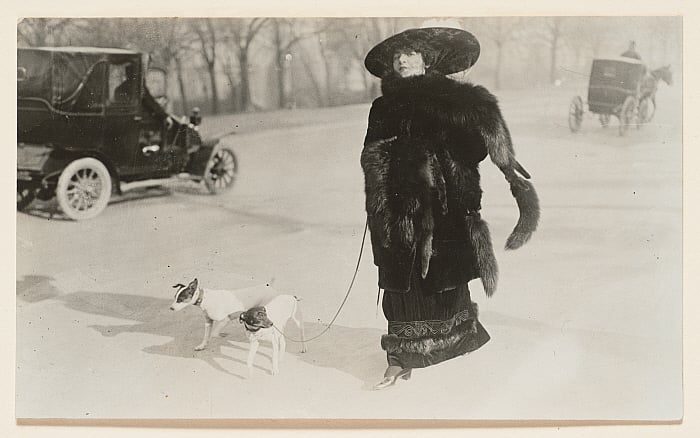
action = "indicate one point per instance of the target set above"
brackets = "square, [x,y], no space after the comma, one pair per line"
[179,285]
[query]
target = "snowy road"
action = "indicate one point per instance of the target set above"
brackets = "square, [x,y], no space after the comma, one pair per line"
[586,323]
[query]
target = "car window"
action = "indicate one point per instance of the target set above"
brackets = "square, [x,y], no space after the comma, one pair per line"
[91,98]
[123,84]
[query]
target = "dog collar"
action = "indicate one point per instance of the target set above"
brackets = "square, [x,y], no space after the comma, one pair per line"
[251,328]
[200,296]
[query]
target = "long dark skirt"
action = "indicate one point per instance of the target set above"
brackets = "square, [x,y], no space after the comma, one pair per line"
[428,328]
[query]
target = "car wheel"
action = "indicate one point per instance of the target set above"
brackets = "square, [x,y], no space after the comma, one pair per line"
[84,189]
[25,195]
[221,171]
[627,114]
[575,114]
[646,111]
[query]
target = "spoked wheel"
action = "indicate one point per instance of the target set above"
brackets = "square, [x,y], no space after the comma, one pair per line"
[627,114]
[25,195]
[645,112]
[604,120]
[221,171]
[575,114]
[84,189]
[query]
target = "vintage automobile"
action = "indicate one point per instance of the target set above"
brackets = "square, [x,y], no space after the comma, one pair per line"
[613,90]
[88,127]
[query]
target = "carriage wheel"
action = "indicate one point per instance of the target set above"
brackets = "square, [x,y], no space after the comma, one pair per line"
[575,114]
[604,120]
[645,112]
[627,114]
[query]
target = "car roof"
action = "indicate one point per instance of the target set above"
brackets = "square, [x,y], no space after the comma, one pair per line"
[620,59]
[77,49]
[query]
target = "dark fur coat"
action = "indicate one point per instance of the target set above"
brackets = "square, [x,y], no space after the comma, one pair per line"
[425,139]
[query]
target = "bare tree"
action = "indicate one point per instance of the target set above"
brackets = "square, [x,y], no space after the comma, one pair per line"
[315,83]
[501,31]
[241,33]
[327,47]
[285,35]
[586,39]
[548,33]
[327,57]
[35,32]
[207,37]
[361,35]
[167,42]
[554,29]
[172,45]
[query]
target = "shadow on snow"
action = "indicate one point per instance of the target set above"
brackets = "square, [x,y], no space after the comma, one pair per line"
[353,351]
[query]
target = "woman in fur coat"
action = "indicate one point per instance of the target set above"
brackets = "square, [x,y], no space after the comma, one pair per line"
[426,136]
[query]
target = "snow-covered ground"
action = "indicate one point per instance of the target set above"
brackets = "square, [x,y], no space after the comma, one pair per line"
[586,323]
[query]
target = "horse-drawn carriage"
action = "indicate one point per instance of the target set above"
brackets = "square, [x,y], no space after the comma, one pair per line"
[619,87]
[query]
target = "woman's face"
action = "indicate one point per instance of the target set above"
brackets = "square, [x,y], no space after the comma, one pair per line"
[409,63]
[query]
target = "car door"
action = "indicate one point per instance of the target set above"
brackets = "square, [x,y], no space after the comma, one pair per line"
[136,157]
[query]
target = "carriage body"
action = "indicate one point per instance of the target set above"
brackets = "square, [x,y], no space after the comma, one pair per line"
[613,90]
[611,82]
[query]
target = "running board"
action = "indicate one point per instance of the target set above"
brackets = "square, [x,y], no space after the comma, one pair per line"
[126,186]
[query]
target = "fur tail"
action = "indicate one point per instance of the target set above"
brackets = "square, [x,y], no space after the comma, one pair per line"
[485,259]
[426,244]
[500,149]
[529,205]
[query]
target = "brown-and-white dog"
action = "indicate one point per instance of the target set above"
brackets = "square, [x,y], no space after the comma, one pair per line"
[267,323]
[221,306]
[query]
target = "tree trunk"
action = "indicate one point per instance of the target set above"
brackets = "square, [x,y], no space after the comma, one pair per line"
[235,103]
[41,34]
[314,81]
[279,66]
[211,67]
[245,80]
[181,83]
[553,52]
[330,100]
[327,74]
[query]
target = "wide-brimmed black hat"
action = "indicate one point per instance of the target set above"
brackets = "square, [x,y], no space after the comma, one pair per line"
[452,50]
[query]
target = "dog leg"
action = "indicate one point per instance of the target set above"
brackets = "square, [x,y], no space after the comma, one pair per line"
[218,326]
[275,355]
[254,344]
[207,332]
[282,346]
[300,323]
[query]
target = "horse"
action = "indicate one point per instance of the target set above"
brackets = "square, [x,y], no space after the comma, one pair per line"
[647,90]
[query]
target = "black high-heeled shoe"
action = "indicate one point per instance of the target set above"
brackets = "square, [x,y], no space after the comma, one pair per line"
[390,380]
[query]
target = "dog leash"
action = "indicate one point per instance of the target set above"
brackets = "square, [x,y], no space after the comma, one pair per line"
[347,294]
